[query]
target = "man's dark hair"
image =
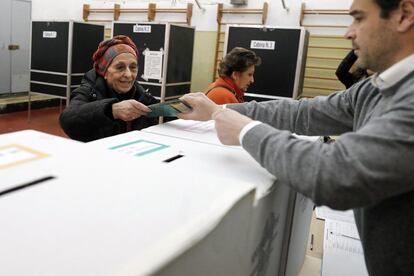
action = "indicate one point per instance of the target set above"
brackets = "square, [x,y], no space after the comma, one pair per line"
[387,6]
[238,60]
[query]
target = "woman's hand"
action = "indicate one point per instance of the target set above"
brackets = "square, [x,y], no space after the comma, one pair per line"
[129,110]
[202,107]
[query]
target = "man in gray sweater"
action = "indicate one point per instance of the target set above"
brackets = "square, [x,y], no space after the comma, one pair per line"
[370,167]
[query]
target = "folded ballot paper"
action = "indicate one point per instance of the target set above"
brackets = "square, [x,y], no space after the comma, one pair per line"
[169,108]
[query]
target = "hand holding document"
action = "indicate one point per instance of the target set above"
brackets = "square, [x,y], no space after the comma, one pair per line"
[169,108]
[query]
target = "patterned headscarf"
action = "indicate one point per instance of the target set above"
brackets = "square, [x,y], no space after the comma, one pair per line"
[109,49]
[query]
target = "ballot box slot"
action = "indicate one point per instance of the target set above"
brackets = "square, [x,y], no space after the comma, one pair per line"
[26,185]
[168,160]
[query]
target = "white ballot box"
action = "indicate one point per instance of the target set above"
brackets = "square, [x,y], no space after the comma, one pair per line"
[279,256]
[265,241]
[69,208]
[281,218]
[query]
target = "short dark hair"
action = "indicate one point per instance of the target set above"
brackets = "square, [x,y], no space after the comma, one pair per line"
[238,60]
[387,6]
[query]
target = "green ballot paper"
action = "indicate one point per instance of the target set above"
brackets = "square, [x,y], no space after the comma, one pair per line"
[169,109]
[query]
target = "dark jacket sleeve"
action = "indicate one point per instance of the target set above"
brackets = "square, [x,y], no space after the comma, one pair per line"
[146,98]
[87,118]
[342,72]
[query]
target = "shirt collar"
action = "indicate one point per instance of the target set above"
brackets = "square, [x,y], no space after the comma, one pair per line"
[394,74]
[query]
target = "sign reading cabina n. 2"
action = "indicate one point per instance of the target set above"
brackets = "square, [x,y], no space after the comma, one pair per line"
[262,44]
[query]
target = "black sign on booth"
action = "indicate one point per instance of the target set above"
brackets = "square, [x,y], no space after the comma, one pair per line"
[61,53]
[283,52]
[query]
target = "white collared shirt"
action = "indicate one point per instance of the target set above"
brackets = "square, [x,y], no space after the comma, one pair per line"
[394,74]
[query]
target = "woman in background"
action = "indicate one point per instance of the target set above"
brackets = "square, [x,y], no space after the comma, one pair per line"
[236,72]
[109,100]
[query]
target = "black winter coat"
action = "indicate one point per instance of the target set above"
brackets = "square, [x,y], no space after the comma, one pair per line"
[89,114]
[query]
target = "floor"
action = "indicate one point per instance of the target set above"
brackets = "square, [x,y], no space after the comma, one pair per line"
[44,114]
[45,120]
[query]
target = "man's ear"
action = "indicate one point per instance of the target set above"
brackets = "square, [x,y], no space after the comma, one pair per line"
[407,15]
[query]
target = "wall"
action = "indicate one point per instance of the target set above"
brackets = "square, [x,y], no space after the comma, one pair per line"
[204,21]
[203,60]
[327,19]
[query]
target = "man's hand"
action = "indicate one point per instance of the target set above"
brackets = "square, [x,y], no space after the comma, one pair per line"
[129,110]
[202,106]
[229,123]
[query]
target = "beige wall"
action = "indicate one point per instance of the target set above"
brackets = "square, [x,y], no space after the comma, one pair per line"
[325,52]
[203,60]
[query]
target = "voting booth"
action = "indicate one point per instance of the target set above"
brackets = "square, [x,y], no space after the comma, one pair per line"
[165,56]
[61,53]
[283,53]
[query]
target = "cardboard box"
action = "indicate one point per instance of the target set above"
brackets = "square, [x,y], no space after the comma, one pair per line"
[315,243]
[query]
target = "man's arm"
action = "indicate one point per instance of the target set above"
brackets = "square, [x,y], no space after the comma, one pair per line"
[359,169]
[332,115]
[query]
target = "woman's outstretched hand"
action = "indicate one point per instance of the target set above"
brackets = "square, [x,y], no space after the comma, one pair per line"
[129,110]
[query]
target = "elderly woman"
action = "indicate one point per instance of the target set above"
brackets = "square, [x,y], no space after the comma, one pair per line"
[236,72]
[109,100]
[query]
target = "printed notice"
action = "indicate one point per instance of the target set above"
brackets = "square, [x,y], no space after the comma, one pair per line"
[342,236]
[342,250]
[11,155]
[153,65]
[262,44]
[139,147]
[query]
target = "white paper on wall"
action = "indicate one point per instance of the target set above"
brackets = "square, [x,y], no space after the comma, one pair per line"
[152,65]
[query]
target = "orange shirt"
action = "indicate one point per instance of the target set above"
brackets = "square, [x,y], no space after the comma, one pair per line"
[224,91]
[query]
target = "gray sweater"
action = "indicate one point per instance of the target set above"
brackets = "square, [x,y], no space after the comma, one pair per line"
[370,168]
